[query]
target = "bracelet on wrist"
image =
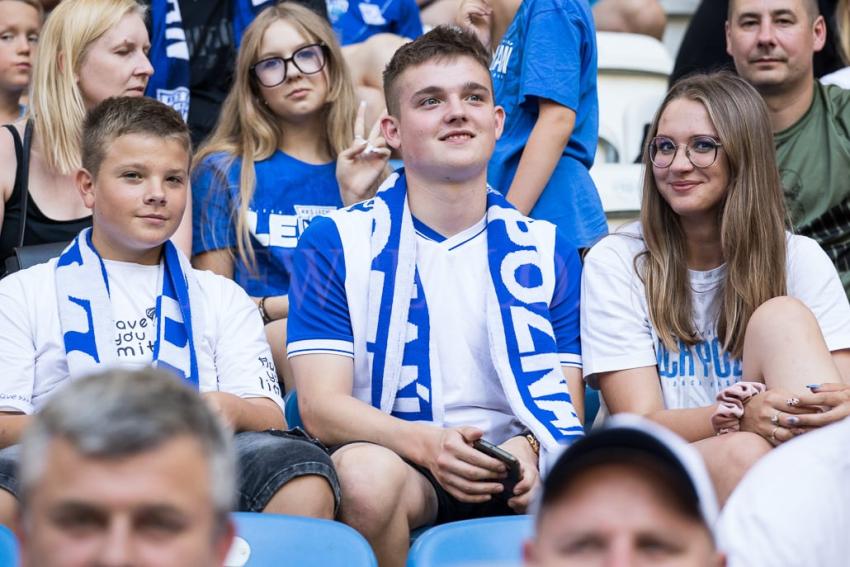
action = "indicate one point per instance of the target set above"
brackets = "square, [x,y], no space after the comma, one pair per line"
[261,306]
[535,444]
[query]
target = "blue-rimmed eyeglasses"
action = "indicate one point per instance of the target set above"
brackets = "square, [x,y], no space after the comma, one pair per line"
[701,151]
[309,59]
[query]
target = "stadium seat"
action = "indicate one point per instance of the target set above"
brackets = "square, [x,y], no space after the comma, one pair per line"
[270,539]
[8,547]
[291,413]
[631,83]
[490,542]
[619,186]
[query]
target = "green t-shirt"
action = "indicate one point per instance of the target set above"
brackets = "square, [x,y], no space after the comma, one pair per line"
[814,161]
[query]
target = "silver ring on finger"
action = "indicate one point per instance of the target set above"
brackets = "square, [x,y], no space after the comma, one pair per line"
[774,419]
[773,438]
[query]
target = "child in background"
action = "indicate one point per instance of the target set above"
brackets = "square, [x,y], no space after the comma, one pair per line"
[273,161]
[20,22]
[544,75]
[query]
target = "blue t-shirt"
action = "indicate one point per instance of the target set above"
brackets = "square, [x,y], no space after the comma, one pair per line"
[319,307]
[549,51]
[356,20]
[289,194]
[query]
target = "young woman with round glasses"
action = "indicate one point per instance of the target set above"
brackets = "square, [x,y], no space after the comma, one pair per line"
[706,315]
[289,128]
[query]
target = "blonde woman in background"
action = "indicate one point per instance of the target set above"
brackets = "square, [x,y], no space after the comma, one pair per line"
[286,148]
[688,315]
[89,50]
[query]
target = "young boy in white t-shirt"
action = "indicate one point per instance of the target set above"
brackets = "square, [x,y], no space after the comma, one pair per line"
[122,294]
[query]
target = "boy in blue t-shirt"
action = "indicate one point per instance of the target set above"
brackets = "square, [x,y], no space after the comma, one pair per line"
[544,76]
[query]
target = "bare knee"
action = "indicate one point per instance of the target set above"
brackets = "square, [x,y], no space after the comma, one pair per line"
[371,481]
[780,315]
[309,495]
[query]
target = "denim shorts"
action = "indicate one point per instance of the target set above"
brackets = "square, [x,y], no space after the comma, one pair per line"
[269,459]
[9,458]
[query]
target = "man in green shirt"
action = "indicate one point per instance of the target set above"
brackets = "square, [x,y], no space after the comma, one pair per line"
[773,43]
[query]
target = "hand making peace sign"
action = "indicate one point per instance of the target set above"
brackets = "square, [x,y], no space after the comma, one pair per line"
[362,165]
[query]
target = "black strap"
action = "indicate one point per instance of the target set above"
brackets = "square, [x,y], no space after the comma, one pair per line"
[23,178]
[19,150]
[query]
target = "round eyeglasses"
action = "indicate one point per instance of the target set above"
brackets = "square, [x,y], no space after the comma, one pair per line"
[701,151]
[309,59]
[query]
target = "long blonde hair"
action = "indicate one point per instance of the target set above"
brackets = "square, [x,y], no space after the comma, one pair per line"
[248,129]
[55,101]
[752,219]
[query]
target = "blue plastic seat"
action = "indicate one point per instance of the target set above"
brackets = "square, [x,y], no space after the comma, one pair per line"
[8,547]
[274,540]
[291,413]
[494,542]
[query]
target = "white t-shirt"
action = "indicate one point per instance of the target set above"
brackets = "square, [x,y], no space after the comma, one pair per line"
[792,509]
[470,394]
[233,355]
[616,332]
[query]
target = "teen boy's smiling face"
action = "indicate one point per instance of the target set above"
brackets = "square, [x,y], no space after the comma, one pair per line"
[447,123]
[137,197]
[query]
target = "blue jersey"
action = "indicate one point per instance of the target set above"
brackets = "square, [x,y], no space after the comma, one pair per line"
[356,20]
[288,195]
[549,51]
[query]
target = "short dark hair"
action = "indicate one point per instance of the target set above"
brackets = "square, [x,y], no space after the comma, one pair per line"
[441,43]
[811,7]
[119,116]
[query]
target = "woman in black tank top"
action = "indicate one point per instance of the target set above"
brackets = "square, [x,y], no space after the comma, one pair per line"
[102,45]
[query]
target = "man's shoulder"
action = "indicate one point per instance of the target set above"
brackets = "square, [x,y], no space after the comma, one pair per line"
[837,101]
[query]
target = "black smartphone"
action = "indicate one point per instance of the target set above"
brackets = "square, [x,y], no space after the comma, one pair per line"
[510,461]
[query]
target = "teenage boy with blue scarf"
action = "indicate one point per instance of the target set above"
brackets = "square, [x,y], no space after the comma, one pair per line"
[122,294]
[435,314]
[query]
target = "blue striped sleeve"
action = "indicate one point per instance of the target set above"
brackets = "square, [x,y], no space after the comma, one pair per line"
[319,321]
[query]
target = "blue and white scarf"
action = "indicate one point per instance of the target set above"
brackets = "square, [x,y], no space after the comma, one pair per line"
[85,311]
[169,53]
[522,342]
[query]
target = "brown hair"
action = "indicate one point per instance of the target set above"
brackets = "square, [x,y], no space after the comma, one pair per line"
[441,43]
[249,130]
[751,219]
[119,116]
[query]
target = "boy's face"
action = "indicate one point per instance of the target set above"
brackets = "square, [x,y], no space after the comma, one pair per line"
[137,197]
[447,123]
[19,27]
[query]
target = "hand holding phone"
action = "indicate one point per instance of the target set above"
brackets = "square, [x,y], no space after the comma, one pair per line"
[510,462]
